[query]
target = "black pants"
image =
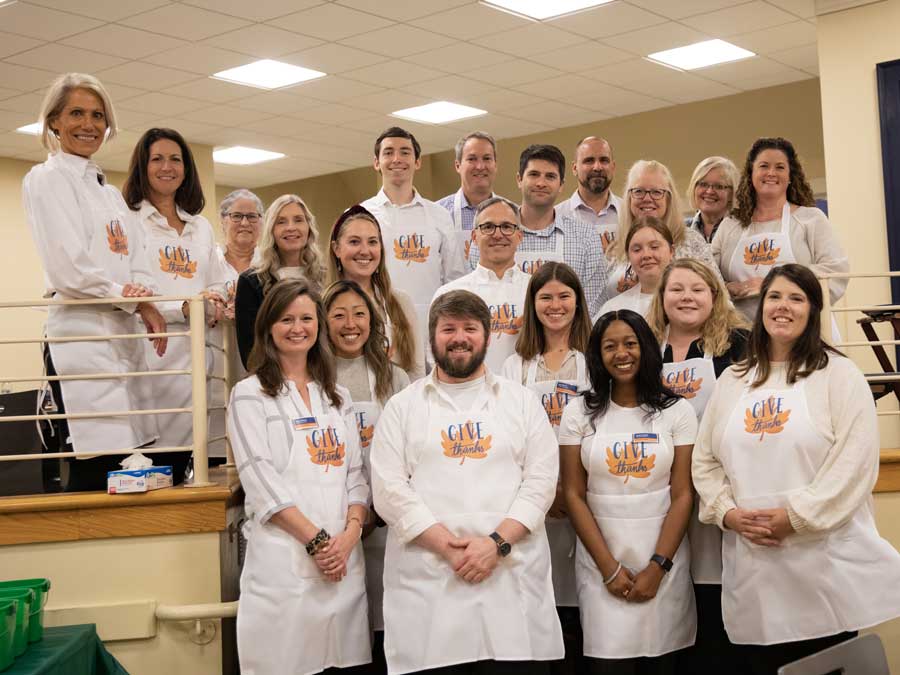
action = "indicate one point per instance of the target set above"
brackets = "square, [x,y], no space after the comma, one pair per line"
[767,659]
[378,665]
[494,668]
[644,665]
[573,663]
[713,652]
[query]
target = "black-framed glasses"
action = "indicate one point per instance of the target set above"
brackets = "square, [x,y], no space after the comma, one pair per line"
[718,187]
[655,195]
[506,229]
[236,217]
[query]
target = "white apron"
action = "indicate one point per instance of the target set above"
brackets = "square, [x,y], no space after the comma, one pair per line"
[110,247]
[468,476]
[531,261]
[291,620]
[621,278]
[695,379]
[555,396]
[177,265]
[366,414]
[506,302]
[628,493]
[813,584]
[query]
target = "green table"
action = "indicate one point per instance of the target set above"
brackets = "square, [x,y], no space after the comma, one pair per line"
[67,650]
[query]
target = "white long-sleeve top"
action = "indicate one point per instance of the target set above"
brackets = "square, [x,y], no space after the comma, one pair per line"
[400,439]
[262,436]
[840,405]
[63,198]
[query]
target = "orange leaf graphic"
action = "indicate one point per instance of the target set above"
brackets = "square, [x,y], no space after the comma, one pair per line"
[553,404]
[769,421]
[607,238]
[757,258]
[467,445]
[503,322]
[327,452]
[411,253]
[365,435]
[468,247]
[637,467]
[627,281]
[687,389]
[116,238]
[177,262]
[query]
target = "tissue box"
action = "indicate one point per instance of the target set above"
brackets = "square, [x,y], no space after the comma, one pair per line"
[138,480]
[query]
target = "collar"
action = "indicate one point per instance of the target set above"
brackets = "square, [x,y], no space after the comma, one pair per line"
[148,212]
[482,273]
[383,200]
[431,381]
[77,166]
[560,222]
[614,203]
[465,201]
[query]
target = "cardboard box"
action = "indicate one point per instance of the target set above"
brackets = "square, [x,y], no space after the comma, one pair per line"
[139,480]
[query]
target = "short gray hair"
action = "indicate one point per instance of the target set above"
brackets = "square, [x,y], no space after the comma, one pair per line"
[58,95]
[723,164]
[483,135]
[233,196]
[496,199]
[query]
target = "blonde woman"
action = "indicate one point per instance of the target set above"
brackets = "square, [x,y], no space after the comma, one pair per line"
[356,253]
[287,250]
[701,334]
[711,194]
[650,191]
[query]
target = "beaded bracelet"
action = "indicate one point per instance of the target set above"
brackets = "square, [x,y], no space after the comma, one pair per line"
[316,542]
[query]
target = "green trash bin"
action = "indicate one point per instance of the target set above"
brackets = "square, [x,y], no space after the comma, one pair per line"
[41,588]
[8,610]
[25,597]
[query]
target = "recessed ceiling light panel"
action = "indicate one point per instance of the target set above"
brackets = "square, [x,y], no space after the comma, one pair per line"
[439,112]
[34,129]
[543,9]
[238,154]
[701,55]
[268,74]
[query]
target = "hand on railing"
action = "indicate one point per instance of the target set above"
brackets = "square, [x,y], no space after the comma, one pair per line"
[155,323]
[213,308]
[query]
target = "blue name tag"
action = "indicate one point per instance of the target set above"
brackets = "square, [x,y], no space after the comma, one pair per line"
[566,388]
[302,423]
[645,438]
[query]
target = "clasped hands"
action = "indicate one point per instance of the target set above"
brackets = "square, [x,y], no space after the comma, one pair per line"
[472,558]
[636,587]
[764,527]
[332,557]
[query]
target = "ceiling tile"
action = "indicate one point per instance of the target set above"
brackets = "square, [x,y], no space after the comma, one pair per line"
[611,19]
[587,55]
[162,104]
[805,9]
[135,120]
[184,21]
[500,100]
[226,115]
[567,87]
[398,41]
[274,103]
[258,10]
[23,143]
[331,22]
[8,94]
[56,57]
[511,73]
[200,59]
[459,57]
[333,89]
[42,23]
[449,87]
[333,58]
[105,10]
[186,128]
[394,72]
[804,57]
[121,92]
[776,38]
[129,43]
[772,80]
[684,8]
[288,127]
[262,41]
[470,21]
[350,138]
[13,44]
[522,41]
[758,66]
[332,113]
[147,74]
[209,89]
[617,101]
[650,79]
[389,100]
[10,120]
[656,38]
[24,103]
[374,125]
[402,10]
[558,114]
[24,79]
[741,19]
[501,126]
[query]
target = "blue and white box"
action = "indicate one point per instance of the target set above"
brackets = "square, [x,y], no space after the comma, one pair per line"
[138,480]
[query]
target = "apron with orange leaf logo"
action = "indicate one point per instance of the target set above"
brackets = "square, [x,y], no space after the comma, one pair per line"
[330,626]
[555,396]
[814,584]
[628,493]
[505,299]
[756,254]
[531,261]
[467,475]
[695,379]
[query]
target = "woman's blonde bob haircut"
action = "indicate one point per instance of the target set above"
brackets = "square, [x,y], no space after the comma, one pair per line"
[673,218]
[58,95]
[268,260]
[724,319]
[723,164]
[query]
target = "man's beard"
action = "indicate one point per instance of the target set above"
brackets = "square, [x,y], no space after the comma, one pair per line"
[457,369]
[596,184]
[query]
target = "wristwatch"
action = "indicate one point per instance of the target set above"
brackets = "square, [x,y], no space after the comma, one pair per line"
[503,546]
[662,561]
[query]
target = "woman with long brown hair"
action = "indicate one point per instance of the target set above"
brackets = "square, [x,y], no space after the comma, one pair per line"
[303,598]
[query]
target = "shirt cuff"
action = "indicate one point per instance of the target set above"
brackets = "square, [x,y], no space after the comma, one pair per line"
[720,508]
[526,513]
[797,522]
[264,518]
[414,523]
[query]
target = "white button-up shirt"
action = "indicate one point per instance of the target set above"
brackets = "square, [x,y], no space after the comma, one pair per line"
[606,222]
[400,437]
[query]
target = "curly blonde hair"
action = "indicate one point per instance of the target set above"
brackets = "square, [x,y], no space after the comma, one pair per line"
[268,260]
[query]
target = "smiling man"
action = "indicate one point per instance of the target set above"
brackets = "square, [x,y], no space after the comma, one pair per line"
[497,279]
[464,469]
[421,251]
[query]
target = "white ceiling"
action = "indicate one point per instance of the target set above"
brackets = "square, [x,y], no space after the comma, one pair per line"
[156,56]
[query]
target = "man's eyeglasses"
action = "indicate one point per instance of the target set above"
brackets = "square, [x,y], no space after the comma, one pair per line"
[236,218]
[718,187]
[640,193]
[506,229]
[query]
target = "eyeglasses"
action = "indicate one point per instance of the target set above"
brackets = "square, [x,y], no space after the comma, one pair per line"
[236,218]
[506,229]
[718,187]
[640,193]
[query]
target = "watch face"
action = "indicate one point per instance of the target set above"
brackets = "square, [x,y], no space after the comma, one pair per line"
[505,548]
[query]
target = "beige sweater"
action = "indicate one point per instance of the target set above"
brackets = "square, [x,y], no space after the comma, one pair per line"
[841,405]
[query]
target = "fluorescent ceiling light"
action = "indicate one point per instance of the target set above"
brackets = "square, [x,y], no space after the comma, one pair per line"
[438,112]
[543,9]
[268,74]
[701,55]
[33,129]
[238,154]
